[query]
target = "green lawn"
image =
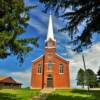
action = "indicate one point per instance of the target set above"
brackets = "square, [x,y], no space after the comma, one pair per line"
[71,94]
[18,94]
[74,94]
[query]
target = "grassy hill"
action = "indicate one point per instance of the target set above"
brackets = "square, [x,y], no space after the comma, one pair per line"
[17,94]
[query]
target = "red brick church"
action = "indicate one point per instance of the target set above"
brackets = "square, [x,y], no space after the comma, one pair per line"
[50,70]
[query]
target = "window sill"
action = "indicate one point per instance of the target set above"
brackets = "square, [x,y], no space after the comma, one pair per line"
[61,73]
[39,73]
[49,71]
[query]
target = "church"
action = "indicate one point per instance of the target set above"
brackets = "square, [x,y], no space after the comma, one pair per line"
[50,70]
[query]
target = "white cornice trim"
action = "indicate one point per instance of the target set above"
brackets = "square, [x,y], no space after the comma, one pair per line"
[61,57]
[50,47]
[51,39]
[37,58]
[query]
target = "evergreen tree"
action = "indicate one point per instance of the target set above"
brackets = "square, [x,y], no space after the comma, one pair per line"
[80,77]
[98,73]
[91,79]
[98,77]
[13,19]
[77,13]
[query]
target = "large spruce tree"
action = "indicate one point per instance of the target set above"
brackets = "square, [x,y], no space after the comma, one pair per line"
[13,19]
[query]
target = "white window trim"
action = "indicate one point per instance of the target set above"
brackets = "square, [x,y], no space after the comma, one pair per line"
[59,69]
[41,70]
[61,73]
[39,73]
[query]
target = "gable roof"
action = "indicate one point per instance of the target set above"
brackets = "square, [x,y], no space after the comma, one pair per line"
[8,80]
[55,54]
[61,58]
[38,58]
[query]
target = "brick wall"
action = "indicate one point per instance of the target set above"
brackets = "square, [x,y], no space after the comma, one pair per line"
[59,80]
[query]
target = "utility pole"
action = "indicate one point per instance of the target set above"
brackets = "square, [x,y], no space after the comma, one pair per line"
[86,75]
[84,61]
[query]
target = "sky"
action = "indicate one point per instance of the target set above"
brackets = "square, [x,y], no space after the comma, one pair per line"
[37,27]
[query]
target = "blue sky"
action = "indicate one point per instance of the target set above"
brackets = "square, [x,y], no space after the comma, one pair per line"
[37,27]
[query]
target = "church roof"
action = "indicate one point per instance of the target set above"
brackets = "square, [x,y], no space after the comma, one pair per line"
[38,58]
[67,60]
[57,55]
[50,34]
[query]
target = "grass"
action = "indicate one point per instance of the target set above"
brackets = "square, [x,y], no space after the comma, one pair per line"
[18,94]
[64,94]
[74,94]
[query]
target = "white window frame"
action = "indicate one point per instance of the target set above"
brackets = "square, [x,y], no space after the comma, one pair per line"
[39,69]
[61,69]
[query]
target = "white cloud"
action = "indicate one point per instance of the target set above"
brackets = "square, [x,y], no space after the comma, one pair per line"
[92,59]
[39,26]
[38,21]
[23,77]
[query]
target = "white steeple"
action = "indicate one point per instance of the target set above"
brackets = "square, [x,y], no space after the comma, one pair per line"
[50,30]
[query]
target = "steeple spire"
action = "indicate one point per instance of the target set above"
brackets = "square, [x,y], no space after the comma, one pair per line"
[50,30]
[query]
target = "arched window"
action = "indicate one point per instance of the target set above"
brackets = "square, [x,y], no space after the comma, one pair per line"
[49,65]
[39,68]
[61,68]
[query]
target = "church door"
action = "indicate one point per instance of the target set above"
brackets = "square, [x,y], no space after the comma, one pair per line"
[49,81]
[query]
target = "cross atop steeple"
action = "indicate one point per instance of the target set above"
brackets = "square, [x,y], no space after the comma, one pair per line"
[50,34]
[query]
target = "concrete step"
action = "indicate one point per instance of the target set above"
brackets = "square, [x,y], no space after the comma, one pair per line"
[47,90]
[36,98]
[44,94]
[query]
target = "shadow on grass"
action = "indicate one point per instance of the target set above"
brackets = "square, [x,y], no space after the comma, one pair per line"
[80,95]
[8,96]
[61,97]
[80,91]
[94,93]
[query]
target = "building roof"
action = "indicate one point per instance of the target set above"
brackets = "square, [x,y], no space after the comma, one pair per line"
[2,78]
[57,55]
[66,60]
[50,34]
[38,58]
[8,80]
